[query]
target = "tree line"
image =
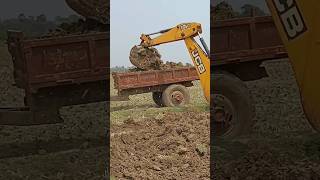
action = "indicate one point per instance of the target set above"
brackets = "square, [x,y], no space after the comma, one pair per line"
[224,10]
[119,69]
[33,26]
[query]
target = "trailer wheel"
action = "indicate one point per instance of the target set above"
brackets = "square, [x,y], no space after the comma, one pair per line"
[233,110]
[157,98]
[175,95]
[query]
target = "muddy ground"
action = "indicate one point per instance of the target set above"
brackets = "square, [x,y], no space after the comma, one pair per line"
[169,146]
[148,142]
[282,144]
[75,149]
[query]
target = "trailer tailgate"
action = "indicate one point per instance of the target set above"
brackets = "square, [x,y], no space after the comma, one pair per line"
[50,62]
[131,80]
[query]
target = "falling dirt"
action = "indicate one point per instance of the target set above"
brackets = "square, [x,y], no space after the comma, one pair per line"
[169,146]
[150,59]
[145,58]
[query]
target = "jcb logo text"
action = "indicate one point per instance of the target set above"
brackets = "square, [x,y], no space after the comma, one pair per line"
[198,61]
[290,17]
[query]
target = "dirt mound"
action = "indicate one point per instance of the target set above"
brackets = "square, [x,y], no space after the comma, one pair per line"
[171,146]
[76,28]
[94,9]
[150,59]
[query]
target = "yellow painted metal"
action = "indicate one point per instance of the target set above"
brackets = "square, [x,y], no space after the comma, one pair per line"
[299,27]
[202,64]
[180,32]
[186,32]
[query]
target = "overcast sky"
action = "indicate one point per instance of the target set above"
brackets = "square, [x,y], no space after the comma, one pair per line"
[51,8]
[131,18]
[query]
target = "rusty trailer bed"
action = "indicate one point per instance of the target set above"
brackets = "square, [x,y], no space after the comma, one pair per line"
[50,62]
[245,39]
[55,72]
[129,83]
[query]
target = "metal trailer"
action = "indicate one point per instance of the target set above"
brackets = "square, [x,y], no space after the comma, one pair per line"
[56,72]
[168,87]
[238,47]
[71,70]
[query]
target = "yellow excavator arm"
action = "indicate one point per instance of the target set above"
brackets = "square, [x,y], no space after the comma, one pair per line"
[298,25]
[200,57]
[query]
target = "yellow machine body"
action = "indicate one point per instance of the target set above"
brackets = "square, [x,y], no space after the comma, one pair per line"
[299,28]
[186,32]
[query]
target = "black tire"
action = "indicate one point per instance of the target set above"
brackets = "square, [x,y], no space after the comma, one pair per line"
[175,95]
[236,109]
[157,98]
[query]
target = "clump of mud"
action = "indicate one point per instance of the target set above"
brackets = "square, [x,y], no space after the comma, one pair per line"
[150,59]
[76,28]
[171,146]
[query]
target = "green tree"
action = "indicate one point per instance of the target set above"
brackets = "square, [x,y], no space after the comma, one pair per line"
[223,11]
[73,18]
[41,18]
[22,17]
[248,10]
[69,19]
[31,18]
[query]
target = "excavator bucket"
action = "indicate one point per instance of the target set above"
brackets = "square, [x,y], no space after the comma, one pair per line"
[299,28]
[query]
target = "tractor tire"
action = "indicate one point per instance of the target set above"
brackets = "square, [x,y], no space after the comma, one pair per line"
[175,95]
[232,108]
[157,98]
